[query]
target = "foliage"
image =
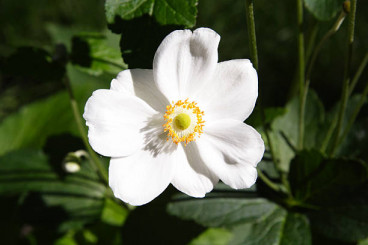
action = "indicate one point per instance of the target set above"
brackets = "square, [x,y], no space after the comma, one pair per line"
[312,191]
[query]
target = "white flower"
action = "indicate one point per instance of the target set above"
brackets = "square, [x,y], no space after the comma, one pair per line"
[180,123]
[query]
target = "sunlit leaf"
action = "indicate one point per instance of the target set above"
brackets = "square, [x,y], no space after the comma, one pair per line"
[166,12]
[91,53]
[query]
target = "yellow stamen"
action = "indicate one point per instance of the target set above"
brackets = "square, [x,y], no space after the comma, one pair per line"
[183,121]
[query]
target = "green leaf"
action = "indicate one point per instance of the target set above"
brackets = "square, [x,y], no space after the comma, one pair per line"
[67,239]
[324,9]
[285,128]
[213,236]
[166,12]
[113,213]
[92,53]
[279,227]
[320,181]
[218,212]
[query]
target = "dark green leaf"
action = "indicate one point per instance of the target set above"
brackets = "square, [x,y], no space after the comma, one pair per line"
[346,220]
[278,227]
[320,181]
[324,9]
[166,12]
[28,170]
[92,54]
[222,211]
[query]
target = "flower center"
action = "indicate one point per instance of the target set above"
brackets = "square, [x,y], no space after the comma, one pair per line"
[183,121]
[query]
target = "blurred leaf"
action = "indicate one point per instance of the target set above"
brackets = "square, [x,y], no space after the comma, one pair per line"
[285,128]
[31,126]
[213,236]
[34,122]
[218,212]
[363,242]
[67,239]
[166,12]
[320,181]
[278,227]
[29,170]
[67,201]
[91,52]
[345,220]
[323,9]
[113,213]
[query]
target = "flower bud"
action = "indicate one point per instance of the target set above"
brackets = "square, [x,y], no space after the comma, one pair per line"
[346,6]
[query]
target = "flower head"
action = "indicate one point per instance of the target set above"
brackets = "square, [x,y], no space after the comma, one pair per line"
[179,123]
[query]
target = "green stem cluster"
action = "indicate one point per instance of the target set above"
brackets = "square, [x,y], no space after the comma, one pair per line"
[345,88]
[249,10]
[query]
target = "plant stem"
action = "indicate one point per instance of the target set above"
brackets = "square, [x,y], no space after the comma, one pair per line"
[316,51]
[268,182]
[249,11]
[358,73]
[355,114]
[301,71]
[76,113]
[311,40]
[345,87]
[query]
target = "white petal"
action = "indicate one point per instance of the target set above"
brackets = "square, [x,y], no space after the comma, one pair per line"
[185,61]
[232,149]
[232,93]
[139,82]
[192,176]
[141,177]
[115,121]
